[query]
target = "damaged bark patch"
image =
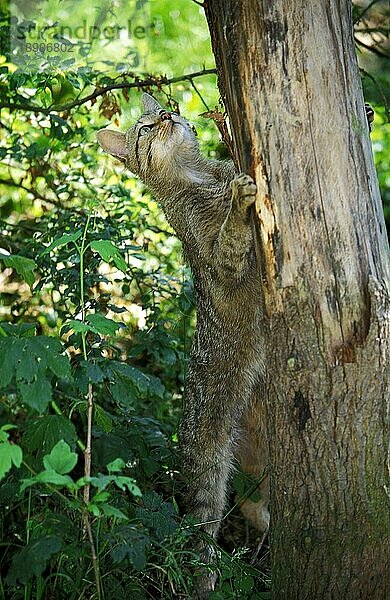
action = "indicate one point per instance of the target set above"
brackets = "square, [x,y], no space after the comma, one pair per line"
[302,410]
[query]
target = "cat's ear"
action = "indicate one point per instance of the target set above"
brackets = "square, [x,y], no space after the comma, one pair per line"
[150,104]
[113,142]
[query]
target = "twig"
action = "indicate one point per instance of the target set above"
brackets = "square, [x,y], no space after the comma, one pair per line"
[37,195]
[259,547]
[219,120]
[86,491]
[371,48]
[383,30]
[95,562]
[365,10]
[88,447]
[380,90]
[151,81]
[199,95]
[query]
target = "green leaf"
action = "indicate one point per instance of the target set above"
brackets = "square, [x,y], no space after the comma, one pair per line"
[21,330]
[103,419]
[122,393]
[50,349]
[101,481]
[3,431]
[129,483]
[152,501]
[111,511]
[10,353]
[96,323]
[135,375]
[49,477]
[42,434]
[63,240]
[157,515]
[245,583]
[79,326]
[33,559]
[109,252]
[110,446]
[101,497]
[61,459]
[36,394]
[10,454]
[128,542]
[144,382]
[22,265]
[94,509]
[116,465]
[155,386]
[103,325]
[26,366]
[94,372]
[28,360]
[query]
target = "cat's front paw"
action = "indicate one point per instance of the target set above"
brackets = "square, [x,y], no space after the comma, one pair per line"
[244,189]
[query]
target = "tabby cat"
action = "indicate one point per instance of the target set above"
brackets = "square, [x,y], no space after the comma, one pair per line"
[209,205]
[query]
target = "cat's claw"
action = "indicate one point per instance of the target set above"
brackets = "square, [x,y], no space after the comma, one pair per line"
[244,189]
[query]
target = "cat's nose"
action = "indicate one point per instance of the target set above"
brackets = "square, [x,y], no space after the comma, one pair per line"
[165,116]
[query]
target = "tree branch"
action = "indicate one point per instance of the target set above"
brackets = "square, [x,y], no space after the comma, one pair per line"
[37,195]
[371,48]
[365,10]
[100,91]
[53,202]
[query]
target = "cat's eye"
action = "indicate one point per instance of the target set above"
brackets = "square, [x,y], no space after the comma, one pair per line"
[145,129]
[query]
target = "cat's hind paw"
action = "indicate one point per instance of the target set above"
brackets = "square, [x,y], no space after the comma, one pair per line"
[244,190]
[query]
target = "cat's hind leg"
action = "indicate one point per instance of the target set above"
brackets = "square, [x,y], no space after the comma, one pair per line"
[252,454]
[206,439]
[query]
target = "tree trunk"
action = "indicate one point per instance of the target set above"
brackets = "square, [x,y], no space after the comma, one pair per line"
[289,78]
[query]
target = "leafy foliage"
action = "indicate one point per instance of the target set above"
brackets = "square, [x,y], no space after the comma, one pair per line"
[10,454]
[33,559]
[97,314]
[30,363]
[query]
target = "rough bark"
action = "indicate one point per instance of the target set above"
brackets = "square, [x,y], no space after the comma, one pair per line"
[289,78]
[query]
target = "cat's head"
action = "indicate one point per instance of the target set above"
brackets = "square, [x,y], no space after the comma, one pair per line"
[159,142]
